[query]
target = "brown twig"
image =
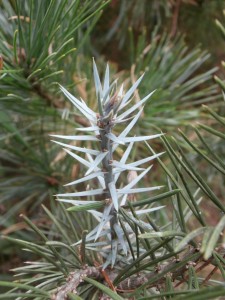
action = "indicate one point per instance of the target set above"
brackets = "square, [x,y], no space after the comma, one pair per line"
[80,120]
[108,280]
[175,18]
[206,263]
[22,225]
[56,102]
[38,89]
[210,275]
[185,278]
[1,62]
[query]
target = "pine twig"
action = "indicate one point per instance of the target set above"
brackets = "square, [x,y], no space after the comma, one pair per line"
[55,102]
[175,18]
[74,280]
[131,283]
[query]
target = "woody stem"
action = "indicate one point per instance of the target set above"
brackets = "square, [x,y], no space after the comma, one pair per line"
[106,145]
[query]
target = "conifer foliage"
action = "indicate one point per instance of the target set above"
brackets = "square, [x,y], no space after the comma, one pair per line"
[121,227]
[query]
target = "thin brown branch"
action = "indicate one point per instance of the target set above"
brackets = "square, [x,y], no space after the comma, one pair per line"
[80,120]
[205,264]
[1,62]
[108,280]
[175,18]
[210,275]
[56,103]
[38,89]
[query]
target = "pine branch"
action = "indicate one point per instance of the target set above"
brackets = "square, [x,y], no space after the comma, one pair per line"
[74,280]
[50,100]
[54,101]
[176,269]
